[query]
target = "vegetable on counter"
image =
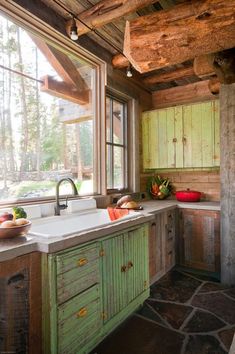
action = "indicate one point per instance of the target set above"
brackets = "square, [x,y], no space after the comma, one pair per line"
[158,187]
[19,213]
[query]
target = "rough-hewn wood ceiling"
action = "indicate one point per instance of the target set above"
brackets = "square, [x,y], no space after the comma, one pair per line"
[111,37]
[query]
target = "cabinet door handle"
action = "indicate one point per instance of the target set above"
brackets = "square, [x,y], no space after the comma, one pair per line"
[82,312]
[124,268]
[130,264]
[82,262]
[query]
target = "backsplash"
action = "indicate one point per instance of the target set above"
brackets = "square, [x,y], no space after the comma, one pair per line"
[207,182]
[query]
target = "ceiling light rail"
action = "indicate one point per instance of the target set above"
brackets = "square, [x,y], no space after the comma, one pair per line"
[73,33]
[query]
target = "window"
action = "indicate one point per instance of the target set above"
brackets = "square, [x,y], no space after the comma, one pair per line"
[116,149]
[48,101]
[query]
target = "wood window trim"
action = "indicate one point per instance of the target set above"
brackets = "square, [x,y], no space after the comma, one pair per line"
[132,127]
[123,145]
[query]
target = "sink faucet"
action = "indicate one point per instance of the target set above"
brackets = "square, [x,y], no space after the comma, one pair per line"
[58,206]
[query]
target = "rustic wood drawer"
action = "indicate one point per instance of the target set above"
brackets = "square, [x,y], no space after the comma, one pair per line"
[77,271]
[79,320]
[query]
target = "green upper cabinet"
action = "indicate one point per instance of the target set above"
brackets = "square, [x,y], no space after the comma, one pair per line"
[182,137]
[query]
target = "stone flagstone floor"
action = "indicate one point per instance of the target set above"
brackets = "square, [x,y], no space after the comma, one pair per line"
[185,314]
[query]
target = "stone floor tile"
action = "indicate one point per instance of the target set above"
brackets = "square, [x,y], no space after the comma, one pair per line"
[174,314]
[207,287]
[230,292]
[226,336]
[174,286]
[148,312]
[199,276]
[203,322]
[139,336]
[200,344]
[217,303]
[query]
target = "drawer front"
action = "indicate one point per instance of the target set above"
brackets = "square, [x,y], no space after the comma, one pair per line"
[79,320]
[77,271]
[79,258]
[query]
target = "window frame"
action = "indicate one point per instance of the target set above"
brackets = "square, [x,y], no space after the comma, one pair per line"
[118,98]
[30,23]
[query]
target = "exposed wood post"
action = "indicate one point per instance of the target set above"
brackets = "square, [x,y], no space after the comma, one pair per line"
[227,175]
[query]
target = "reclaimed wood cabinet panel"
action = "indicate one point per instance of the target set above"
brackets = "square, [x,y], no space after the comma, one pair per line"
[20,305]
[182,137]
[162,244]
[157,247]
[199,239]
[170,240]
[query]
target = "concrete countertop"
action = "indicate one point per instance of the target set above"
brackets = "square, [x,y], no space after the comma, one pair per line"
[155,206]
[11,248]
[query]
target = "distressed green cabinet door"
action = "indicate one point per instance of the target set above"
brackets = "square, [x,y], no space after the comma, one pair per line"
[125,270]
[162,138]
[201,135]
[114,277]
[181,137]
[136,255]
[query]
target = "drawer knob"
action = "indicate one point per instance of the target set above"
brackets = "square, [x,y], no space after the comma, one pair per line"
[82,312]
[82,262]
[123,269]
[129,265]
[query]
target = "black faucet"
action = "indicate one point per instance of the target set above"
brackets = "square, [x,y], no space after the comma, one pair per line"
[58,206]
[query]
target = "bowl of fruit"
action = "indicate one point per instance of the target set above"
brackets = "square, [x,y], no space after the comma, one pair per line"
[14,224]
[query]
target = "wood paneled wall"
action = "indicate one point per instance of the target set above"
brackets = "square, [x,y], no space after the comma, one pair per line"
[20,304]
[207,182]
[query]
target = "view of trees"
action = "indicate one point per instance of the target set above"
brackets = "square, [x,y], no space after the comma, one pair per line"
[36,148]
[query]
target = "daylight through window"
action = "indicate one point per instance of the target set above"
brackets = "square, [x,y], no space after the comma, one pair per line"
[47,117]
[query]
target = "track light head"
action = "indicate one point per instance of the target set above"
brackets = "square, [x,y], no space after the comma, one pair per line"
[73,30]
[129,71]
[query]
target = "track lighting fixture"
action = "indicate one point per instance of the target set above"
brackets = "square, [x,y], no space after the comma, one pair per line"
[73,30]
[129,71]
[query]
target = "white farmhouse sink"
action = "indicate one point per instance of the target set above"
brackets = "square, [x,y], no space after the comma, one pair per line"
[66,225]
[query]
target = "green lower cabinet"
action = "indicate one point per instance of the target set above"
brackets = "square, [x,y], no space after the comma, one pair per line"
[125,271]
[90,289]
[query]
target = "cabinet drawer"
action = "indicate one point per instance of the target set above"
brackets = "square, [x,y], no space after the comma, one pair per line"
[79,320]
[77,271]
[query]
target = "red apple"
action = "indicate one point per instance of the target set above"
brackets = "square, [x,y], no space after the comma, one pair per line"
[5,216]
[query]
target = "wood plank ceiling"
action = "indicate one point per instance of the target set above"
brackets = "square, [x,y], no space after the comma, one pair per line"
[111,37]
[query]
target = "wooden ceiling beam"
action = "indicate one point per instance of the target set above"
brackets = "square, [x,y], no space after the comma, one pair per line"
[62,64]
[119,61]
[64,91]
[196,92]
[169,76]
[105,12]
[180,33]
